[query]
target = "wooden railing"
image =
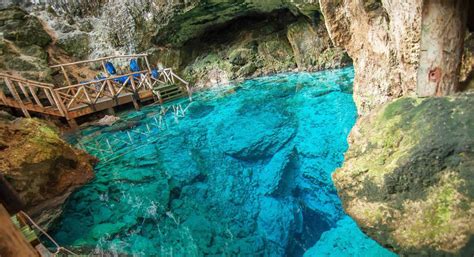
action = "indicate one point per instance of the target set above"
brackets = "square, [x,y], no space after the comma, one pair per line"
[167,76]
[68,100]
[28,94]
[91,92]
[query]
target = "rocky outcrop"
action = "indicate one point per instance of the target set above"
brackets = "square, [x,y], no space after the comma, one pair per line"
[260,45]
[41,167]
[383,39]
[23,43]
[408,179]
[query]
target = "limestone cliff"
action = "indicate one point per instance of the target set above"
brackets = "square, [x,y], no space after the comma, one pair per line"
[41,167]
[383,38]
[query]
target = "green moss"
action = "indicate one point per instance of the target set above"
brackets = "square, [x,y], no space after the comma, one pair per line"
[398,107]
[442,209]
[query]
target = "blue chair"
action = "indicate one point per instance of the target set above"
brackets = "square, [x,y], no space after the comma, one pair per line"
[112,71]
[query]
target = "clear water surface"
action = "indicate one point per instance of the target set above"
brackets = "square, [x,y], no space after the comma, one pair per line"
[243,170]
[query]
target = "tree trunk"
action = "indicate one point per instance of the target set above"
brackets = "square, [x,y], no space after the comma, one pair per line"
[442,39]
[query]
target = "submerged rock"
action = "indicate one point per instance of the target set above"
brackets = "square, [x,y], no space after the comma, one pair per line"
[408,176]
[345,240]
[41,167]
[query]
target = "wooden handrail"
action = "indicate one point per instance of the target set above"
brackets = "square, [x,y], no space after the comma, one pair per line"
[100,80]
[99,59]
[73,101]
[35,83]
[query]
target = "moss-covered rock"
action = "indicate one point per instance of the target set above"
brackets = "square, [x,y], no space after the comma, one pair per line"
[23,45]
[41,166]
[76,44]
[276,53]
[23,29]
[408,177]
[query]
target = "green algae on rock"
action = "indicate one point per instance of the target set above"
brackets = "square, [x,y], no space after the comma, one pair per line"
[408,176]
[41,166]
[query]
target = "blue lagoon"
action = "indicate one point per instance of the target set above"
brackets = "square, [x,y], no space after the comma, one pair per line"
[243,170]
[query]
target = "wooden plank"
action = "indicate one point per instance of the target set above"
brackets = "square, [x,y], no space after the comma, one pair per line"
[3,97]
[36,83]
[59,104]
[86,94]
[74,98]
[12,242]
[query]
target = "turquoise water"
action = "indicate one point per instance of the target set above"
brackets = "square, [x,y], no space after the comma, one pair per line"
[244,170]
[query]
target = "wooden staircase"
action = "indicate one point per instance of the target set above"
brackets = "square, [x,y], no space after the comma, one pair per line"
[169,92]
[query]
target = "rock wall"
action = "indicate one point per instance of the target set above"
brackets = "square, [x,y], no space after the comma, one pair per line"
[23,43]
[41,167]
[407,177]
[382,37]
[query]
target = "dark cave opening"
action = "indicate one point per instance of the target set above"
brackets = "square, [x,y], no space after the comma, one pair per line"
[220,36]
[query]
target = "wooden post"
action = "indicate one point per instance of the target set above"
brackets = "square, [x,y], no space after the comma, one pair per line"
[136,95]
[25,93]
[72,123]
[65,76]
[135,103]
[442,39]
[2,96]
[35,96]
[15,94]
[109,84]
[111,111]
[61,107]
[12,242]
[148,64]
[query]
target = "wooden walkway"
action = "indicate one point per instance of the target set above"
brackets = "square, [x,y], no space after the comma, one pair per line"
[83,98]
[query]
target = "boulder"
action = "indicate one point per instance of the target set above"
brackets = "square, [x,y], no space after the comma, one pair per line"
[408,180]
[75,44]
[41,166]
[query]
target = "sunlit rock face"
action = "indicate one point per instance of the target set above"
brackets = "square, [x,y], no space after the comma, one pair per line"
[383,39]
[407,178]
[41,167]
